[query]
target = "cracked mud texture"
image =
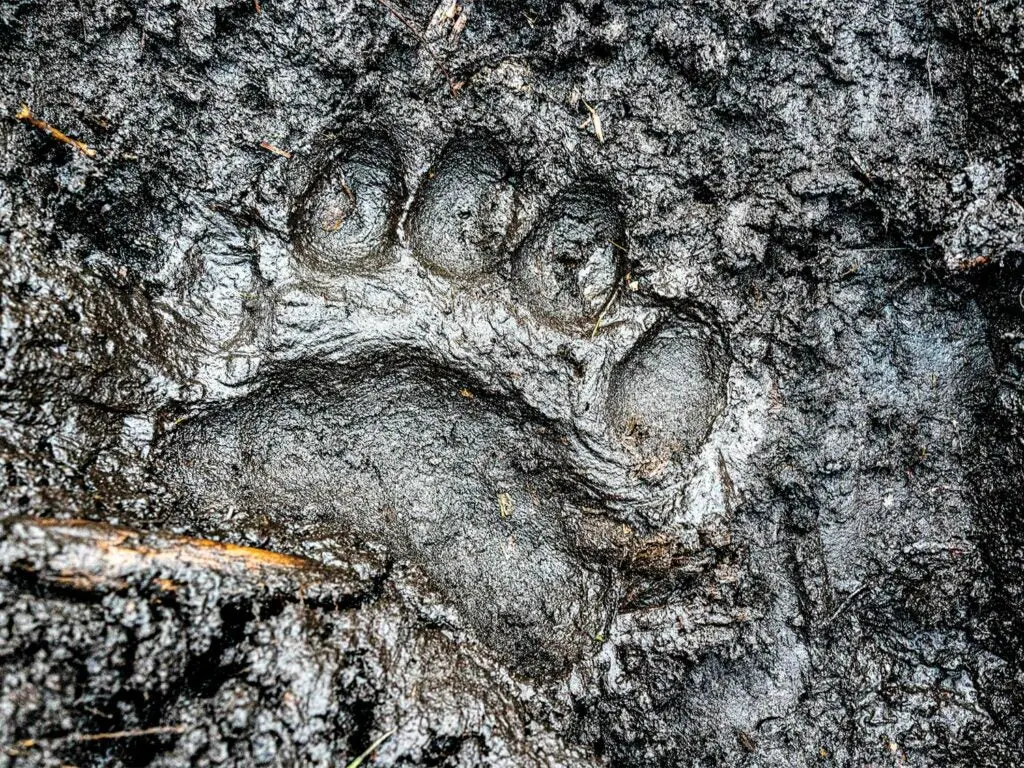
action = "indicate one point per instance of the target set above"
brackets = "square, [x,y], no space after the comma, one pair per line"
[690,440]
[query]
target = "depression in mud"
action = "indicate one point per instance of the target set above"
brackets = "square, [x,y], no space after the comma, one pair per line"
[490,383]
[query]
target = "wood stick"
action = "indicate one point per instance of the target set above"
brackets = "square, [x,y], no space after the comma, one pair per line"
[89,556]
[25,115]
[276,150]
[26,744]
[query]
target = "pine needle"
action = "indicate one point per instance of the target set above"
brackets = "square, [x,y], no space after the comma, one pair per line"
[371,749]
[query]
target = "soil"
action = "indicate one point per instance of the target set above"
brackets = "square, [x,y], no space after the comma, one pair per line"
[547,383]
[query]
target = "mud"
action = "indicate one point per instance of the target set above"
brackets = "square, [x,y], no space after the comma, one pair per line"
[595,383]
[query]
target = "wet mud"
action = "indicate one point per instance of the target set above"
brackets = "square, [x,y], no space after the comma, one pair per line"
[490,383]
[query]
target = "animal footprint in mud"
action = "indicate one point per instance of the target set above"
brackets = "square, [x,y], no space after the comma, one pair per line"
[404,444]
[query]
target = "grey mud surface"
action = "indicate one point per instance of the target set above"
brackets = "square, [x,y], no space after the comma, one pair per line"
[686,436]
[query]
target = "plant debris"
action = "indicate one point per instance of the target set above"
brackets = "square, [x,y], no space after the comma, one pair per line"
[161,730]
[275,150]
[89,556]
[593,121]
[371,749]
[504,505]
[25,115]
[451,17]
[453,86]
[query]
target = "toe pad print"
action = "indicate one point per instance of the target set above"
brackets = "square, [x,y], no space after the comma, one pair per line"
[345,219]
[666,394]
[567,267]
[465,211]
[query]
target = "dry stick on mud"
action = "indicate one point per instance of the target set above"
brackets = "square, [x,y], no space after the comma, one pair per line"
[25,115]
[594,120]
[275,150]
[88,556]
[371,749]
[606,307]
[26,744]
[452,85]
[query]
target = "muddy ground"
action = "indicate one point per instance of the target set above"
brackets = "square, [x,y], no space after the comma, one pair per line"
[545,383]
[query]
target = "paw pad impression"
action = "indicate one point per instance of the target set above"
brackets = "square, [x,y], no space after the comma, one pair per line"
[345,220]
[665,395]
[409,446]
[568,266]
[465,211]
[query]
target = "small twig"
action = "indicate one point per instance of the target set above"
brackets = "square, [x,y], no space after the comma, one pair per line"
[130,734]
[851,271]
[887,250]
[79,738]
[504,505]
[928,67]
[863,171]
[96,557]
[371,749]
[846,604]
[594,120]
[347,189]
[608,304]
[271,148]
[25,115]
[728,487]
[452,85]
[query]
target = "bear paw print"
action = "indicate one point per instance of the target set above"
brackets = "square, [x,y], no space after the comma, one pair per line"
[430,387]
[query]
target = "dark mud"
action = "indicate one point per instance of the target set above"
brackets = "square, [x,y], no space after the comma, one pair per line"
[686,435]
